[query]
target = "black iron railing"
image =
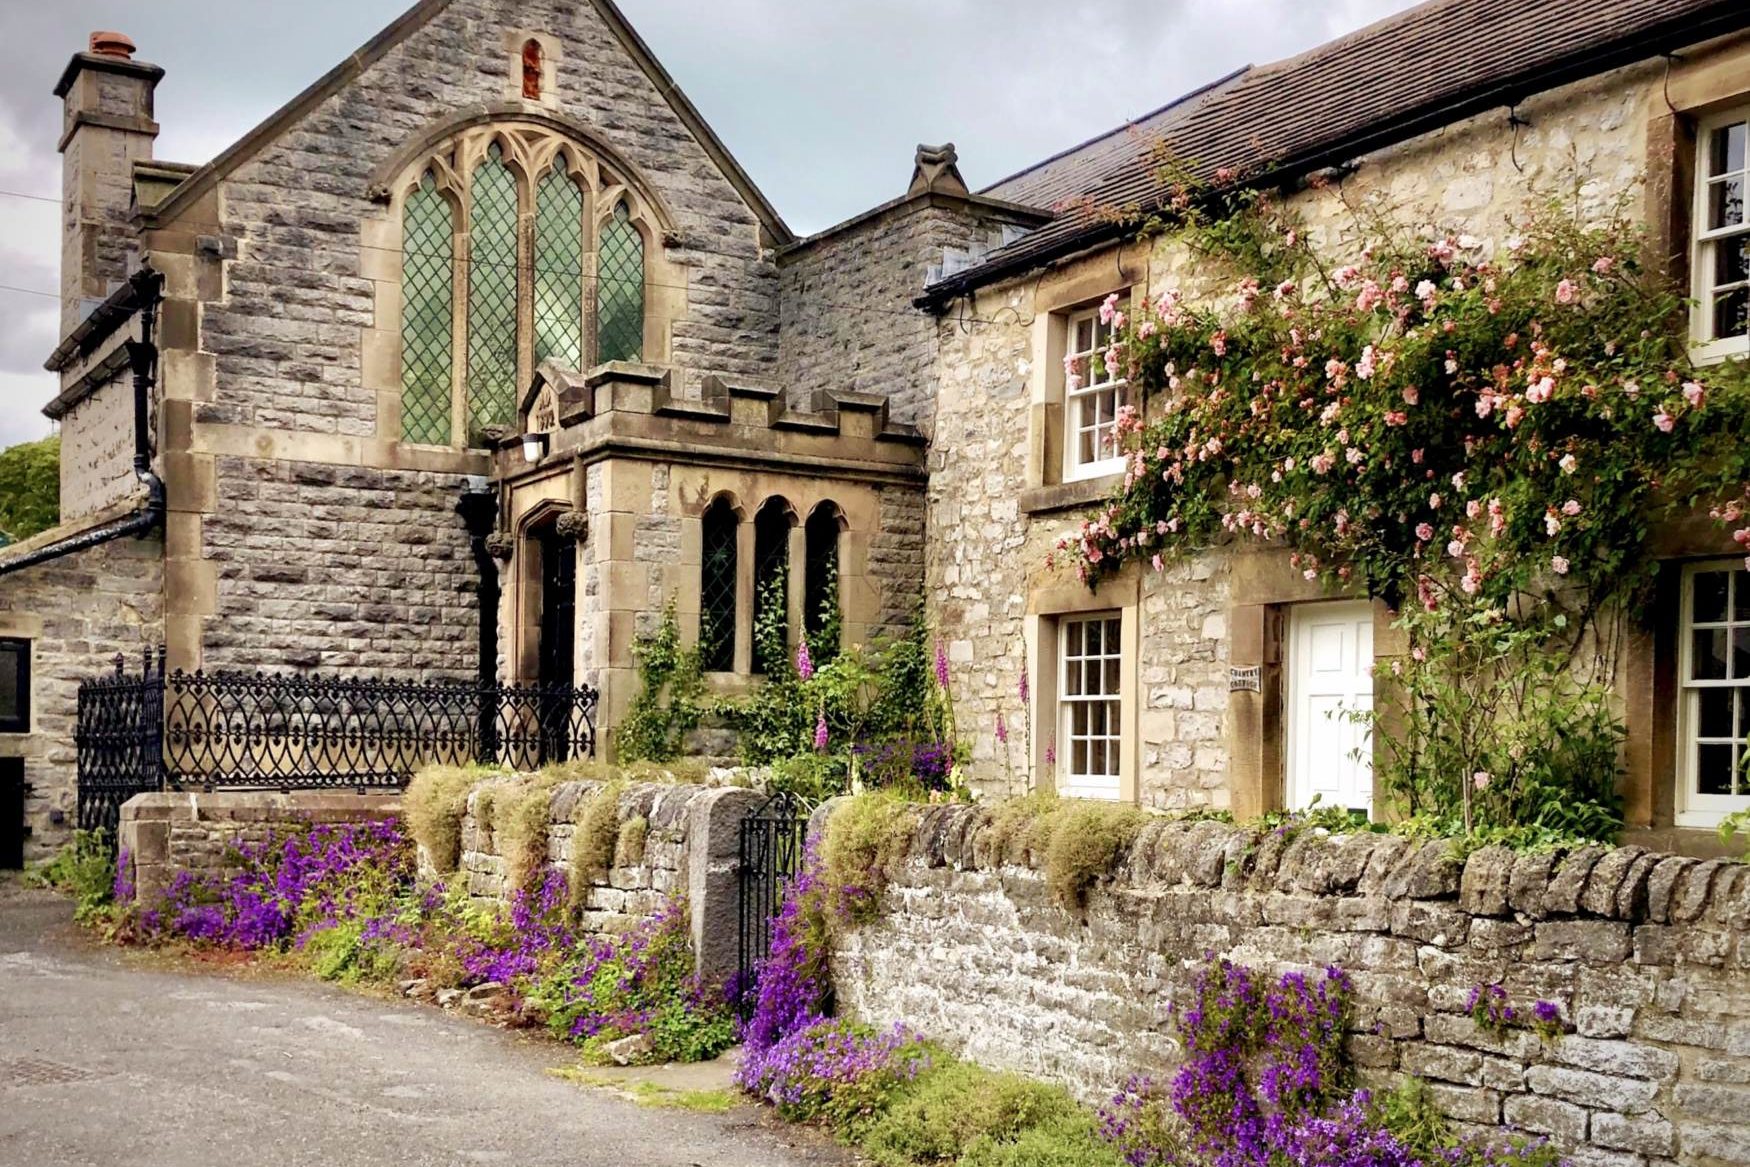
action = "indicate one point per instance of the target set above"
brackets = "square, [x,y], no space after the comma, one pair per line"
[118,737]
[254,731]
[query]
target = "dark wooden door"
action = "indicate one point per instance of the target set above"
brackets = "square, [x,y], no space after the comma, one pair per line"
[558,639]
[11,813]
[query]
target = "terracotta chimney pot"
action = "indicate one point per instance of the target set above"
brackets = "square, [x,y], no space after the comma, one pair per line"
[112,44]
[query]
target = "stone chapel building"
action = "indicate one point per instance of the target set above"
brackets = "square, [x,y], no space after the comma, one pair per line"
[489,311]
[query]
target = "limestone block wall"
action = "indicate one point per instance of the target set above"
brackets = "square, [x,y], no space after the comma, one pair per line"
[845,304]
[1646,956]
[77,612]
[686,848]
[994,515]
[288,339]
[339,568]
[97,450]
[164,833]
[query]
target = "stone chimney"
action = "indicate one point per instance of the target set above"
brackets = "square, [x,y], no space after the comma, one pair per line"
[106,127]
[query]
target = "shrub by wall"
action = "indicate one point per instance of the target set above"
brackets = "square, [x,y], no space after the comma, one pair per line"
[1645,959]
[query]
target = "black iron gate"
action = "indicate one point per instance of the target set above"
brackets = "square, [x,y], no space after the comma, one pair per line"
[219,731]
[771,846]
[119,739]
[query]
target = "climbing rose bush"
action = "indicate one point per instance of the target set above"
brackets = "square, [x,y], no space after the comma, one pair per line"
[1486,439]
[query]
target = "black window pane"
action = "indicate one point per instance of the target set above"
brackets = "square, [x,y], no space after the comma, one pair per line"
[1708,660]
[1725,201]
[1727,153]
[1709,606]
[1715,719]
[1741,595]
[11,692]
[1732,314]
[1741,652]
[1732,261]
[1713,769]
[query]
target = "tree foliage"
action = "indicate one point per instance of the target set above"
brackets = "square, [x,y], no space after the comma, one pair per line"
[30,489]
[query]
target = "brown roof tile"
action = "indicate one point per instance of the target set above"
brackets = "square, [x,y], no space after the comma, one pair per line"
[1428,66]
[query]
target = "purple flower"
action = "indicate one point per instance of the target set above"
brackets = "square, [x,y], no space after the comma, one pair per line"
[820,732]
[1022,689]
[804,662]
[1002,730]
[941,666]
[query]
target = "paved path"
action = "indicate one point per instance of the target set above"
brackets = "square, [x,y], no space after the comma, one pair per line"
[106,1058]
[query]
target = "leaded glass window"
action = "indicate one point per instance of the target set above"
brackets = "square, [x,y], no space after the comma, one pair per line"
[620,290]
[820,582]
[717,588]
[559,271]
[427,314]
[492,295]
[509,211]
[771,562]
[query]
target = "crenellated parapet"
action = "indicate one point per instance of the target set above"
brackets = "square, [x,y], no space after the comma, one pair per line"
[631,409]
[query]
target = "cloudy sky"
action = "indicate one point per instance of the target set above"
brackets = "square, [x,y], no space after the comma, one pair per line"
[823,103]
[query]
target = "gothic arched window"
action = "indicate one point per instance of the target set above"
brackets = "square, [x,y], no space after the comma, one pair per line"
[620,289]
[427,313]
[717,584]
[499,225]
[771,584]
[559,271]
[532,69]
[820,580]
[492,293]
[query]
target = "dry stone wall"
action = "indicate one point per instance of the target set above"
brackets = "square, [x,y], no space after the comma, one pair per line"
[675,841]
[162,834]
[1646,955]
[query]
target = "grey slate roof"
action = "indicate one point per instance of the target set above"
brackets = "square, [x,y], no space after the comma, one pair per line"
[1424,68]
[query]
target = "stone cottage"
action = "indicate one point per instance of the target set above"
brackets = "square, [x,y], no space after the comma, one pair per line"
[488,316]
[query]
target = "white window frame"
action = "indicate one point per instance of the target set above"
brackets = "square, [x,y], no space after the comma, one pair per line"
[1704,346]
[1693,808]
[1106,784]
[1089,395]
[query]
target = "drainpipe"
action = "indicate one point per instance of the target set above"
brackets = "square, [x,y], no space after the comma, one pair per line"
[148,287]
[478,507]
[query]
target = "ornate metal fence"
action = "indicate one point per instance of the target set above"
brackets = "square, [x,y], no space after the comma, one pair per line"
[118,736]
[771,854]
[241,731]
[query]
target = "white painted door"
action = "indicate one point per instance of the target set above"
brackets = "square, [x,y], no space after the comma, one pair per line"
[1330,674]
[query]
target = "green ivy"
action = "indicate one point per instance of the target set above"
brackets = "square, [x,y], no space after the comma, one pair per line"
[669,704]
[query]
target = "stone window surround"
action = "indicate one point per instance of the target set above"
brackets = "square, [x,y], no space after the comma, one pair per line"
[1074,403]
[743,675]
[1059,293]
[1688,812]
[17,655]
[1047,607]
[533,140]
[1705,346]
[1701,85]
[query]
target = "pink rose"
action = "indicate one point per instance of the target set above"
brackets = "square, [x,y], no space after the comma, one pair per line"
[1566,292]
[1558,565]
[1664,421]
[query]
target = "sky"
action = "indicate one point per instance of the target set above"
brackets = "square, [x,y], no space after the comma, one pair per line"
[822,101]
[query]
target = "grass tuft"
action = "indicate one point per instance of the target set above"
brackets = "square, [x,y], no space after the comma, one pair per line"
[435,803]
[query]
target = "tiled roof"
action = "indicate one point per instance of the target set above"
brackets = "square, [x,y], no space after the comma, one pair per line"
[1080,168]
[1429,66]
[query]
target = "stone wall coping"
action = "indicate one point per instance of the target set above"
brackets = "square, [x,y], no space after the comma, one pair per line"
[1627,883]
[244,806]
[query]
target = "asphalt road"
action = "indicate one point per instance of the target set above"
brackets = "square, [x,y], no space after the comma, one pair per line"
[108,1058]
